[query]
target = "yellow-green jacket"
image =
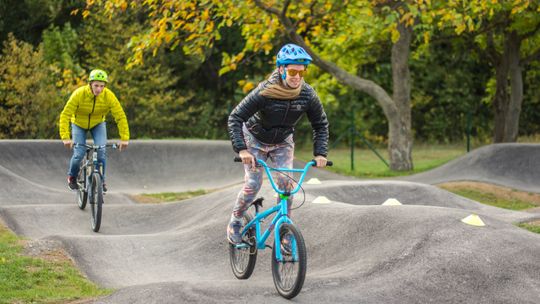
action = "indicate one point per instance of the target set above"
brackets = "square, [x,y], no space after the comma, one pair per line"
[86,111]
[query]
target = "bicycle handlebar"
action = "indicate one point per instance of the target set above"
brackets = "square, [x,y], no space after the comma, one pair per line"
[329,163]
[114,146]
[268,170]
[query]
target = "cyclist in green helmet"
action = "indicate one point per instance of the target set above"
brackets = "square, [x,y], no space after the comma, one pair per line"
[86,111]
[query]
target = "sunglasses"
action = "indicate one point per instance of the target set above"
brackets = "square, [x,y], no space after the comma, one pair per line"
[293,73]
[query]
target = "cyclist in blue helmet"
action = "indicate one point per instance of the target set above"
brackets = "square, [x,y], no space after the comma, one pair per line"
[262,127]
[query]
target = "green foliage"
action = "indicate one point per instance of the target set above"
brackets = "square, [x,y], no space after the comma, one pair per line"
[448,94]
[530,116]
[29,97]
[154,108]
[60,47]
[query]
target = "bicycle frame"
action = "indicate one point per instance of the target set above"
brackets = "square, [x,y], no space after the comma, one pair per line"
[280,209]
[92,163]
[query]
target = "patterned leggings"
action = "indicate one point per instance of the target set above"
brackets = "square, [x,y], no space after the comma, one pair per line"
[281,155]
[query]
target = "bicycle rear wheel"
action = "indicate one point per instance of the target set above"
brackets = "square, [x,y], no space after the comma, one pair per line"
[289,274]
[96,201]
[82,195]
[243,259]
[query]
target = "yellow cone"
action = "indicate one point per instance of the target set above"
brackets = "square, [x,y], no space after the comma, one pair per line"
[391,202]
[313,181]
[473,220]
[321,200]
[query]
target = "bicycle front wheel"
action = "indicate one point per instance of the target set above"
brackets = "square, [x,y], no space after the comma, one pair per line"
[82,195]
[243,258]
[96,201]
[290,272]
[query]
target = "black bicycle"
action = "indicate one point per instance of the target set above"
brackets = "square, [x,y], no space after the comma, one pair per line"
[90,181]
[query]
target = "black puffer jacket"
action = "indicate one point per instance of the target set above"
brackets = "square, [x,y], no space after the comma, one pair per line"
[272,120]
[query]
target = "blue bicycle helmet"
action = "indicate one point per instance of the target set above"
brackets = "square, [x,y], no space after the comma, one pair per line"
[292,54]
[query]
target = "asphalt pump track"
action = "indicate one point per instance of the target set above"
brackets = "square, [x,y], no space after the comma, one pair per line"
[360,250]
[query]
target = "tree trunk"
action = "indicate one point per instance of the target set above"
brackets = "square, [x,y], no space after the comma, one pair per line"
[400,137]
[511,127]
[507,105]
[500,102]
[398,116]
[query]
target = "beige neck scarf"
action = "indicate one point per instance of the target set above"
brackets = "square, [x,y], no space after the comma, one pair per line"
[276,88]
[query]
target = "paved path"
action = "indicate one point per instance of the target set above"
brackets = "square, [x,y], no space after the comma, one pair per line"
[358,250]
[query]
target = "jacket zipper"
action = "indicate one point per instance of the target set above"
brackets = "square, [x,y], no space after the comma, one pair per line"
[90,114]
[283,120]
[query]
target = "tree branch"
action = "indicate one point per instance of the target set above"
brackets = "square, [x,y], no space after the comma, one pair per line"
[356,82]
[267,9]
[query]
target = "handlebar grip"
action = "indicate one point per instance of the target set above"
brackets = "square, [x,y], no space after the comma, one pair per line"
[329,163]
[237,159]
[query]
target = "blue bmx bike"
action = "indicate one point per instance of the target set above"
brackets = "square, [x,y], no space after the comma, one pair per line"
[289,257]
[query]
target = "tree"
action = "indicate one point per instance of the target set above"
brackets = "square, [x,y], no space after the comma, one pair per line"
[507,32]
[194,26]
[31,91]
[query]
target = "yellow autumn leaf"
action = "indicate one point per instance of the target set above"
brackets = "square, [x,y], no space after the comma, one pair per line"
[248,87]
[223,70]
[205,15]
[85,13]
[406,17]
[341,39]
[460,28]
[394,34]
[426,37]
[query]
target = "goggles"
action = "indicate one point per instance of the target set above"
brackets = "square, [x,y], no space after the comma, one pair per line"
[293,73]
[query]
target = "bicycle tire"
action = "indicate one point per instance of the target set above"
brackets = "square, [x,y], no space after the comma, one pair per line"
[96,201]
[243,259]
[82,195]
[289,274]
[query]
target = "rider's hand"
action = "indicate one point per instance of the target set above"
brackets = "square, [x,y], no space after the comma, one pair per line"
[123,145]
[247,158]
[68,143]
[320,160]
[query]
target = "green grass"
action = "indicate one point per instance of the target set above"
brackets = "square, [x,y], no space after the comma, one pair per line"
[169,196]
[493,200]
[425,157]
[367,164]
[25,279]
[531,227]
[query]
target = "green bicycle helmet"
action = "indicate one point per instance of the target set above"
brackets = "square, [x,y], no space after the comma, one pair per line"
[98,75]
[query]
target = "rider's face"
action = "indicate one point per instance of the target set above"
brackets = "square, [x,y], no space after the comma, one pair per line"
[97,87]
[296,80]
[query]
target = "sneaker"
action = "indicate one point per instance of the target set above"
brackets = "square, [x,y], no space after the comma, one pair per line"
[72,183]
[234,232]
[104,187]
[286,244]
